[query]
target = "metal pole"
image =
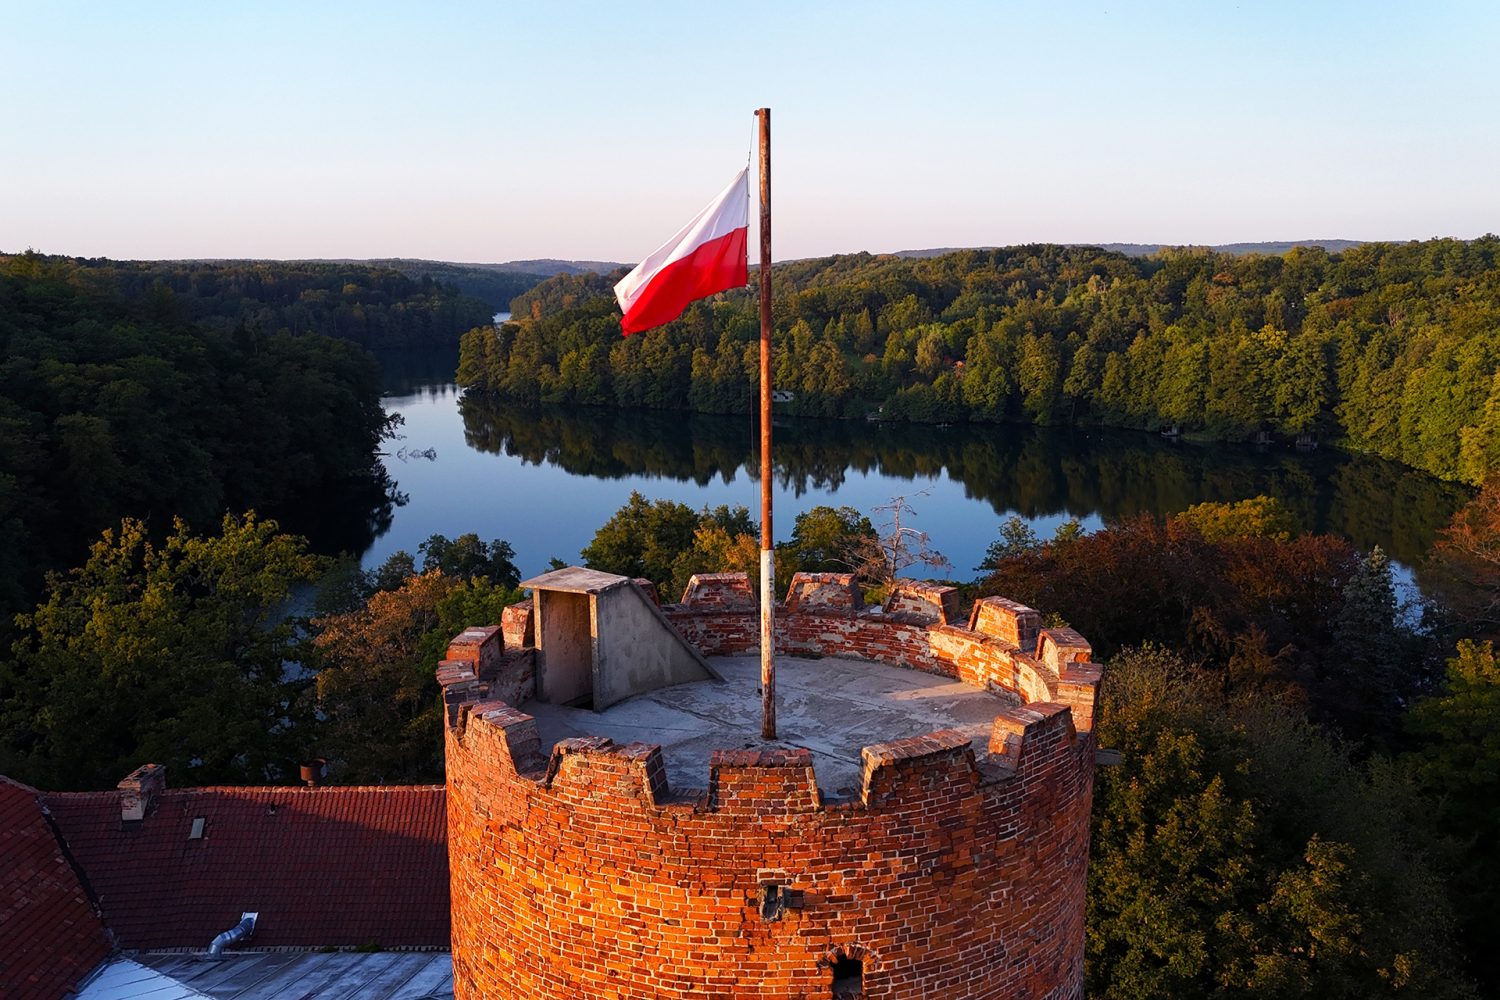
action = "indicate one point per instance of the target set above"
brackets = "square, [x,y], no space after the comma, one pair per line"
[767,551]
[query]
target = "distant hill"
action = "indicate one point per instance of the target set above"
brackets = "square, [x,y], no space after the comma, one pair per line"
[545,267]
[1269,247]
[496,284]
[550,267]
[1146,249]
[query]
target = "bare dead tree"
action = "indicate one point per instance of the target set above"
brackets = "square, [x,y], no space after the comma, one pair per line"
[897,545]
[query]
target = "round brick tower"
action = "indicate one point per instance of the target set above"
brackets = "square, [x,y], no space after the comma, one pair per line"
[952,870]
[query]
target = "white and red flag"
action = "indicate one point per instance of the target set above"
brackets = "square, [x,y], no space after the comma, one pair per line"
[708,255]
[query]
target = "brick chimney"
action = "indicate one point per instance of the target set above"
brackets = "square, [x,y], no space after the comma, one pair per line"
[139,789]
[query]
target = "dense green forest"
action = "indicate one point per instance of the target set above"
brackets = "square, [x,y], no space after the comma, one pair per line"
[113,406]
[1388,348]
[376,307]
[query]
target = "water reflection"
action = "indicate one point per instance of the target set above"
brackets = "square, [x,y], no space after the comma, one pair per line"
[1035,472]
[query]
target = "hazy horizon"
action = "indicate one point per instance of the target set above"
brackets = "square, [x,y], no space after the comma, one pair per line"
[478,133]
[778,258]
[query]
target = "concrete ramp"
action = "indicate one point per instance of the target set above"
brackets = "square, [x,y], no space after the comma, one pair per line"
[600,639]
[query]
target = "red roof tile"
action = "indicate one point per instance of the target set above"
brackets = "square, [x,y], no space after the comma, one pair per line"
[324,866]
[50,937]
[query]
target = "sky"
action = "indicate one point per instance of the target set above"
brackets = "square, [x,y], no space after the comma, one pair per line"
[505,130]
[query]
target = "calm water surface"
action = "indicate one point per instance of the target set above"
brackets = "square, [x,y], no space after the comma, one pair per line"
[545,480]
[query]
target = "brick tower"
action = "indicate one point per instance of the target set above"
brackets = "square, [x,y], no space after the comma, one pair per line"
[953,865]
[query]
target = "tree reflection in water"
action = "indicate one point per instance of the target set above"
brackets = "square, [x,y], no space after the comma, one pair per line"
[1032,471]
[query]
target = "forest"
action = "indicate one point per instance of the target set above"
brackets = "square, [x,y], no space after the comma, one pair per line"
[377,307]
[493,284]
[125,402]
[1392,349]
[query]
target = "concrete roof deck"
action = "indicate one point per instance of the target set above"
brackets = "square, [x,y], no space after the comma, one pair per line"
[833,707]
[575,580]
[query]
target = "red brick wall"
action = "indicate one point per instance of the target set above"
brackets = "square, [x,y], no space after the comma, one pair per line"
[584,874]
[587,876]
[825,591]
[1009,620]
[719,590]
[981,660]
[927,601]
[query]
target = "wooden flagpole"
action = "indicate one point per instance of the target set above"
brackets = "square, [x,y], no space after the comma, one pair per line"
[767,551]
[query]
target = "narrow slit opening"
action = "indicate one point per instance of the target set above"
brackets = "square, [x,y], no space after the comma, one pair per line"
[848,978]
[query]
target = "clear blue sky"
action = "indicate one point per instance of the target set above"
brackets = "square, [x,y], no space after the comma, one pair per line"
[495,131]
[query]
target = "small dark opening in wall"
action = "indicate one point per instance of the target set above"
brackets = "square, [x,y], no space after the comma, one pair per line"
[848,978]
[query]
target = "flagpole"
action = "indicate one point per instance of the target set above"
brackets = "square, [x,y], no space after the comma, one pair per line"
[767,551]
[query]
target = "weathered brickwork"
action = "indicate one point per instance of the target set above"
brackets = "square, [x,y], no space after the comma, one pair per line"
[1058,647]
[518,624]
[582,873]
[927,602]
[1008,620]
[905,640]
[824,591]
[649,588]
[480,647]
[719,590]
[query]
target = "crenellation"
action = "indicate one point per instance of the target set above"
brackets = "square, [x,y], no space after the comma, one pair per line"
[922,602]
[1059,646]
[824,592]
[956,869]
[512,732]
[1007,620]
[908,773]
[1078,688]
[460,686]
[518,624]
[596,770]
[720,591]
[479,646]
[763,783]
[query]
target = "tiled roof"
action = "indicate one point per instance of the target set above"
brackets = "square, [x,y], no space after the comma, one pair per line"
[50,937]
[324,866]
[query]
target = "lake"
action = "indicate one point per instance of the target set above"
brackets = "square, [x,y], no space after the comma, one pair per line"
[545,480]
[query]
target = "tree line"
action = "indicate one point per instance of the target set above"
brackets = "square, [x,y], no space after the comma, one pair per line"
[1385,348]
[377,307]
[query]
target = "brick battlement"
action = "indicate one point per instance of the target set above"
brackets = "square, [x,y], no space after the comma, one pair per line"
[582,872]
[910,631]
[898,775]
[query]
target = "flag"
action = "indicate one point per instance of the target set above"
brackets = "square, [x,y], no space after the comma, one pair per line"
[708,255]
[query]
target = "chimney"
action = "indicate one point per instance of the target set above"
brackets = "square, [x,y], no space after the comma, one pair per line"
[139,789]
[314,771]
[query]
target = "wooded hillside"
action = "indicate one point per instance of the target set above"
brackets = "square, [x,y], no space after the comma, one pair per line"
[1386,348]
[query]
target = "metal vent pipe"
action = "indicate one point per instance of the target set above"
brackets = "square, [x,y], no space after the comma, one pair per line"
[235,934]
